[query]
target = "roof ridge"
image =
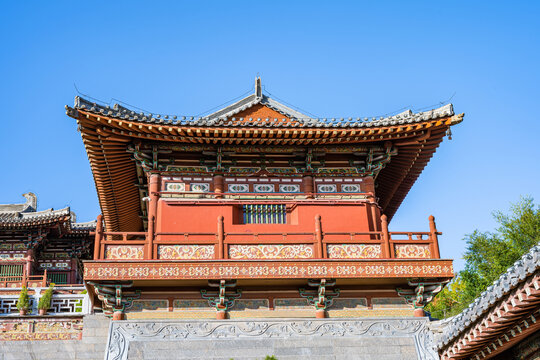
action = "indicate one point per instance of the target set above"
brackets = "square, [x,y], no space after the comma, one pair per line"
[223,118]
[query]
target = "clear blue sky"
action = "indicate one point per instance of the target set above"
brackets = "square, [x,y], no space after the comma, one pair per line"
[331,58]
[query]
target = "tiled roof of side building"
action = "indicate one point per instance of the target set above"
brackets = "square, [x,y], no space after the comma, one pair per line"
[23,215]
[511,279]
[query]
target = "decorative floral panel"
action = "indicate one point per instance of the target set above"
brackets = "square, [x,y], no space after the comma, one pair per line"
[394,302]
[300,251]
[238,188]
[192,304]
[337,171]
[291,304]
[187,169]
[19,247]
[263,188]
[185,252]
[149,305]
[251,304]
[327,188]
[354,251]
[412,251]
[289,188]
[244,170]
[170,186]
[350,188]
[199,187]
[283,170]
[5,246]
[124,252]
[357,303]
[57,265]
[12,257]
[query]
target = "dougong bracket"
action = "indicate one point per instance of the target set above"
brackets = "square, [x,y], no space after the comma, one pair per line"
[221,299]
[322,298]
[420,293]
[113,296]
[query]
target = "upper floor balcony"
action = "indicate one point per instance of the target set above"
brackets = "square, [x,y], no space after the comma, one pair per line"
[212,234]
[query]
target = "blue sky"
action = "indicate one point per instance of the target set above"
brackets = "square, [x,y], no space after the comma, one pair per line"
[333,59]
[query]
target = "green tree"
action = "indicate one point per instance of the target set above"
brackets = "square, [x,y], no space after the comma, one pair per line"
[490,254]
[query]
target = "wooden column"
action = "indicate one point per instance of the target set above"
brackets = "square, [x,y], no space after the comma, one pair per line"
[71,274]
[386,251]
[218,186]
[307,184]
[98,237]
[153,189]
[29,261]
[220,238]
[434,238]
[318,237]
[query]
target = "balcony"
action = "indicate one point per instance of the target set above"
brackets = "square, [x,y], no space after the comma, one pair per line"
[222,245]
[210,236]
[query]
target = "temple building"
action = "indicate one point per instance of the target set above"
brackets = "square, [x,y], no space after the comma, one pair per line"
[41,247]
[258,210]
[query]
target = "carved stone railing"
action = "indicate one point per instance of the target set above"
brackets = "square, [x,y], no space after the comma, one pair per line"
[71,300]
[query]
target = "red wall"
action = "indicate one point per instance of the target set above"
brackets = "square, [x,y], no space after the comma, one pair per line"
[175,216]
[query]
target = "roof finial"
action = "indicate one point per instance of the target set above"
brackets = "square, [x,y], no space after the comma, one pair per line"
[258,88]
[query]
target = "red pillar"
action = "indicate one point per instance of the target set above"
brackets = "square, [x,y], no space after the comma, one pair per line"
[318,237]
[434,238]
[153,189]
[386,251]
[98,237]
[29,261]
[118,315]
[307,183]
[218,186]
[221,238]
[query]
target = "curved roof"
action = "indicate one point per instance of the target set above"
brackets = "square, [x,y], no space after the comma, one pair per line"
[24,216]
[499,291]
[255,120]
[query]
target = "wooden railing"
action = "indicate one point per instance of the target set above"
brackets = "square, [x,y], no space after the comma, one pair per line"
[145,245]
[24,280]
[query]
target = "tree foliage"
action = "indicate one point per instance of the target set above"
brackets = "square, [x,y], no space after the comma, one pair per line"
[488,255]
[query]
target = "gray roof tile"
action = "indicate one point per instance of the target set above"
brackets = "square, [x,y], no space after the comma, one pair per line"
[514,276]
[226,116]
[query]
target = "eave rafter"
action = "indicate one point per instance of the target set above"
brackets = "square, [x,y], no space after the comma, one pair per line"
[111,127]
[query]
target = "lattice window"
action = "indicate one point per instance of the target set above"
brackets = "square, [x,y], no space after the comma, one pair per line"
[57,277]
[11,272]
[265,214]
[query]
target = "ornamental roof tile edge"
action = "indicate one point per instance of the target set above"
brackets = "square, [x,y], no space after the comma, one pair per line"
[512,278]
[225,117]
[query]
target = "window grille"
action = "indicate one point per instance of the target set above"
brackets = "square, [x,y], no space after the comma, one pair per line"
[57,278]
[11,272]
[264,214]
